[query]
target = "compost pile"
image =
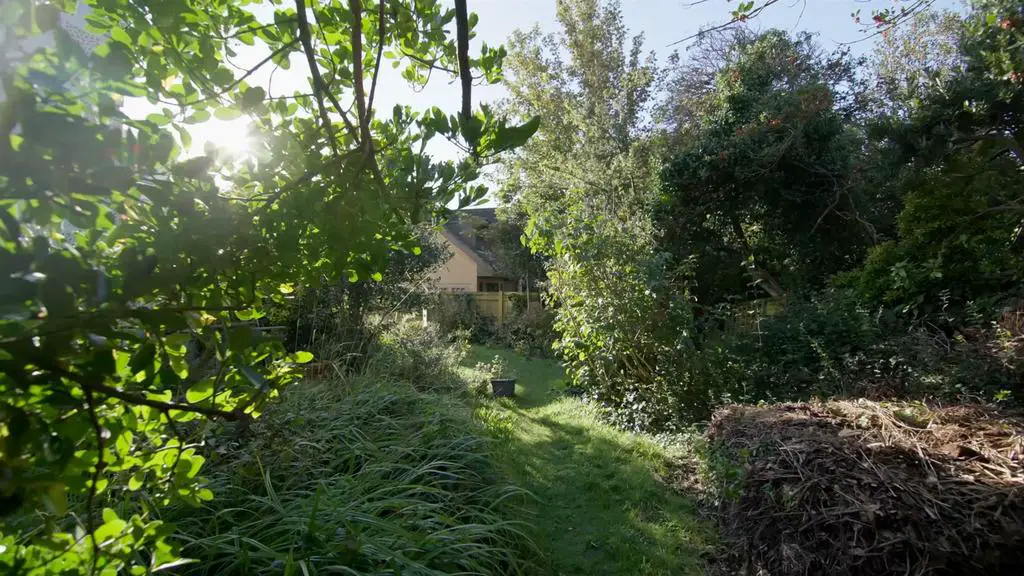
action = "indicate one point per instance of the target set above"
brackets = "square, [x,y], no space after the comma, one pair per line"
[866,488]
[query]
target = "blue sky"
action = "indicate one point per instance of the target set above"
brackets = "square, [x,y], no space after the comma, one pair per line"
[662,22]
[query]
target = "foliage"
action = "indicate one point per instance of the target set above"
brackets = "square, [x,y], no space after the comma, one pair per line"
[588,182]
[889,219]
[957,244]
[420,355]
[512,256]
[457,312]
[338,316]
[981,106]
[117,250]
[759,190]
[910,62]
[529,331]
[958,230]
[364,476]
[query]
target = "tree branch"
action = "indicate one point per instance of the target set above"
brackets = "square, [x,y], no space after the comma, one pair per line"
[139,400]
[741,18]
[465,74]
[90,519]
[432,64]
[380,53]
[241,78]
[314,69]
[356,8]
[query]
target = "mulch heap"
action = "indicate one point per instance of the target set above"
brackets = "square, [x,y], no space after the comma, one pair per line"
[866,488]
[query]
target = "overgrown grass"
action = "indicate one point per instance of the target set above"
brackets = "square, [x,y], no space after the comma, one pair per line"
[358,477]
[601,506]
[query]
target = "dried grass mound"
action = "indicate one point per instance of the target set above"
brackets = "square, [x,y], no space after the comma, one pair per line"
[866,488]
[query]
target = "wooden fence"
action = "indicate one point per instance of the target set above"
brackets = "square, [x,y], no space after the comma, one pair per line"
[498,305]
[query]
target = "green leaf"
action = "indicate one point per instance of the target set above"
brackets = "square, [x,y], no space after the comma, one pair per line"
[200,391]
[158,119]
[511,137]
[301,357]
[253,376]
[186,138]
[119,35]
[471,129]
[176,563]
[123,444]
[137,480]
[227,113]
[253,97]
[198,117]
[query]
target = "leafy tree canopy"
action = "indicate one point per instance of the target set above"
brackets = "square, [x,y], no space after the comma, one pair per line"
[121,257]
[759,190]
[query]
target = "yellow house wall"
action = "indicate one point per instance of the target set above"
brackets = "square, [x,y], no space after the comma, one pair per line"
[458,274]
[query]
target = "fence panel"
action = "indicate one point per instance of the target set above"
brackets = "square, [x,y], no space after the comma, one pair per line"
[498,305]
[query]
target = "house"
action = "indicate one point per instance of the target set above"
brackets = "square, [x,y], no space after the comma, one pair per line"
[471,267]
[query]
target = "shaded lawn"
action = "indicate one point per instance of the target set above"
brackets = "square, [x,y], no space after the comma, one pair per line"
[600,506]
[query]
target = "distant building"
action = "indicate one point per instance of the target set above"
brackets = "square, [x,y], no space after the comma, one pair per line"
[472,266]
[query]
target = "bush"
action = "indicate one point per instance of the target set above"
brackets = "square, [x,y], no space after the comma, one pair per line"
[421,355]
[458,312]
[359,476]
[830,345]
[528,332]
[958,241]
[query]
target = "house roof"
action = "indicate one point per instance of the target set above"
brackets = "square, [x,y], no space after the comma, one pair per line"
[463,229]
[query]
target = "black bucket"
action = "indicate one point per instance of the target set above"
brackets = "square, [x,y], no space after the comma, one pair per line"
[503,387]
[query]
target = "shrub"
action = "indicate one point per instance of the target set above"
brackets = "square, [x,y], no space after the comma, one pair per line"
[957,240]
[455,312]
[830,345]
[528,332]
[359,477]
[421,355]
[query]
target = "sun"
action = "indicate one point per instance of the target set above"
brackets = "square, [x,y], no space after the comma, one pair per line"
[232,139]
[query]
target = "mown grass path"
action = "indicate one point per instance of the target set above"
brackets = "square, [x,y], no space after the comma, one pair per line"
[601,507]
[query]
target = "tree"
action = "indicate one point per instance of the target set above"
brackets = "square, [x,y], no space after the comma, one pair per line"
[981,106]
[588,182]
[759,191]
[512,255]
[959,227]
[911,61]
[117,253]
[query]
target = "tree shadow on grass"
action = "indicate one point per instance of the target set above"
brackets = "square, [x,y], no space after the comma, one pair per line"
[600,505]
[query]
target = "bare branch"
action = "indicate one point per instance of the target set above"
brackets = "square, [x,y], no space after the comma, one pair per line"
[380,52]
[462,40]
[741,18]
[356,7]
[314,69]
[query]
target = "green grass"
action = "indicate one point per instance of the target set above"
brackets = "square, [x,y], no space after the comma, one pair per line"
[600,506]
[358,476]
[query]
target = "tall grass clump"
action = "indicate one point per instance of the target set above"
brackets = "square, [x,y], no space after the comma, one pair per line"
[359,476]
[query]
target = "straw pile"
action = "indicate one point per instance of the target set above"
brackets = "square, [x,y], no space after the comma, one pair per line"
[867,488]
